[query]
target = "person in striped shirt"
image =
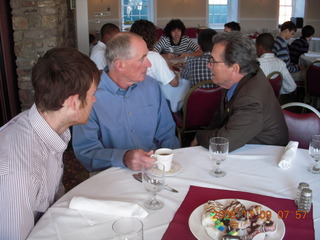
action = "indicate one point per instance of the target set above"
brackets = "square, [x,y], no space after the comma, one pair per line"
[280,47]
[32,143]
[176,44]
[301,45]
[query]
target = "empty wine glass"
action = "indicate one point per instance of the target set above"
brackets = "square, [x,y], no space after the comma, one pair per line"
[314,151]
[218,151]
[153,180]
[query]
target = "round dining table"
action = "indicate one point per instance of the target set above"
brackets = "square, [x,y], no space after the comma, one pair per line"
[252,174]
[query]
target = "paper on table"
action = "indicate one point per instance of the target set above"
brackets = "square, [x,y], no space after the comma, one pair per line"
[97,211]
[289,154]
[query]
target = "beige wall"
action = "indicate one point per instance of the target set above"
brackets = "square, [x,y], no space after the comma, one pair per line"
[254,15]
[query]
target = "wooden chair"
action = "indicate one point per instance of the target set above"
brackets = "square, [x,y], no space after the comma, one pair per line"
[301,126]
[275,79]
[198,109]
[312,84]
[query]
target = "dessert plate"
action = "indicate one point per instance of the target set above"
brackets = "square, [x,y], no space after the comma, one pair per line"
[200,233]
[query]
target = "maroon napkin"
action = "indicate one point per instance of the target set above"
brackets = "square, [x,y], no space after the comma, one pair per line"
[295,228]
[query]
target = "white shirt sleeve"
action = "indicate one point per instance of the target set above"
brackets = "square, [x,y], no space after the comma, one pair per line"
[159,69]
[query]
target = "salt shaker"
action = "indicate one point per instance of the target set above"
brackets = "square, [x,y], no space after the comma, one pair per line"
[305,200]
[301,186]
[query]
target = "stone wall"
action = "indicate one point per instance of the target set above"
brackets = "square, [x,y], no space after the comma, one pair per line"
[38,25]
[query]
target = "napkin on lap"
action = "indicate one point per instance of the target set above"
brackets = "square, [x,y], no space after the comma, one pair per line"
[289,154]
[96,211]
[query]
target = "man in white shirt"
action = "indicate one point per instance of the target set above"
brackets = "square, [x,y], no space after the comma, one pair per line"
[32,143]
[270,63]
[97,55]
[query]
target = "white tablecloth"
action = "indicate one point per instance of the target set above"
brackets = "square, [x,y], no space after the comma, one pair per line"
[252,168]
[307,58]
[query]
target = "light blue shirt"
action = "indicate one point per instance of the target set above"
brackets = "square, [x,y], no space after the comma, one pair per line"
[231,90]
[121,120]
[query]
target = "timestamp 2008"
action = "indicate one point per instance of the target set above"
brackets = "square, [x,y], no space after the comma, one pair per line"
[282,214]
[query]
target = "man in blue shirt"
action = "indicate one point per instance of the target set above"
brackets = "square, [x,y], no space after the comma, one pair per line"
[130,118]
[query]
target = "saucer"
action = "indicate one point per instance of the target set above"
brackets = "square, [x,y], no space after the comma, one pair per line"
[175,169]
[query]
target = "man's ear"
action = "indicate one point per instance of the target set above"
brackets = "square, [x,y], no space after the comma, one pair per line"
[119,65]
[73,102]
[235,68]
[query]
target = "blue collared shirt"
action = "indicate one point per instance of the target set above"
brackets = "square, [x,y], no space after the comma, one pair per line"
[120,120]
[231,91]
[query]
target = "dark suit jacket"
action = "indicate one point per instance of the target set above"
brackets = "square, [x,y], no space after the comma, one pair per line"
[253,115]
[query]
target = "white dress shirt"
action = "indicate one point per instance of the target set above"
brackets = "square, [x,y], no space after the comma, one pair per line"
[31,168]
[270,63]
[98,55]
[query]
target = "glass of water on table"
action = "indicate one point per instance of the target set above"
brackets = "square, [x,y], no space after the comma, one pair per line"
[218,152]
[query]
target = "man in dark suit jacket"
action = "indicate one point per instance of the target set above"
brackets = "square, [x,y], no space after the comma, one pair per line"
[249,111]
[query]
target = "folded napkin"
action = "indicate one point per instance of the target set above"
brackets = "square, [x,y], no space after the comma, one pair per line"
[289,154]
[97,211]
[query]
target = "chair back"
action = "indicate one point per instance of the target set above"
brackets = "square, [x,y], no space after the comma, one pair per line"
[191,32]
[301,126]
[200,105]
[313,79]
[275,79]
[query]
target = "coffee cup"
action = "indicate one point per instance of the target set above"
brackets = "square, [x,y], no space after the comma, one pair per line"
[164,156]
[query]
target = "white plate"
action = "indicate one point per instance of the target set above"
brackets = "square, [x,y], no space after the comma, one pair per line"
[200,233]
[175,169]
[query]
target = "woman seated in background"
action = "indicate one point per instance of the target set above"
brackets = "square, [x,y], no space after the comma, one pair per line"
[176,44]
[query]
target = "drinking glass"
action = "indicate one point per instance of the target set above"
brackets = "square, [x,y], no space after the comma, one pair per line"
[153,180]
[218,151]
[128,228]
[314,151]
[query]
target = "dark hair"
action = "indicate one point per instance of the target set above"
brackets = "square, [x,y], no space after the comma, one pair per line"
[238,49]
[234,26]
[60,73]
[307,31]
[147,30]
[172,25]
[108,28]
[288,25]
[205,39]
[91,38]
[266,40]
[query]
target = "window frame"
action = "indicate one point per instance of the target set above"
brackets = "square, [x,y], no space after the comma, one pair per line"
[233,9]
[150,15]
[297,10]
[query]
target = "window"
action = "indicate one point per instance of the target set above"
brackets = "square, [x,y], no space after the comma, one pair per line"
[133,10]
[290,8]
[221,12]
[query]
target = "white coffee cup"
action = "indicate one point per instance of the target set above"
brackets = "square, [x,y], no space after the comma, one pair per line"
[164,156]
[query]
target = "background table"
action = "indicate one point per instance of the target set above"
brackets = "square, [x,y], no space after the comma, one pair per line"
[252,168]
[306,59]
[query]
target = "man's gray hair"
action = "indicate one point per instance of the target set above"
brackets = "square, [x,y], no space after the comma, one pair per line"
[238,49]
[119,47]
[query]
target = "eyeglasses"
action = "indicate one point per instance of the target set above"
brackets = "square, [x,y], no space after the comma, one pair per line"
[212,61]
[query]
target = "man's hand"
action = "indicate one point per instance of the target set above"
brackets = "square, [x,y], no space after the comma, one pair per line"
[135,159]
[194,142]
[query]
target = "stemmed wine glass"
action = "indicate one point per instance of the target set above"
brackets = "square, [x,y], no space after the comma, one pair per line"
[218,151]
[314,151]
[153,180]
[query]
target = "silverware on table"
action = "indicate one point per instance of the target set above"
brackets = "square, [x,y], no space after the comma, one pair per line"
[138,176]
